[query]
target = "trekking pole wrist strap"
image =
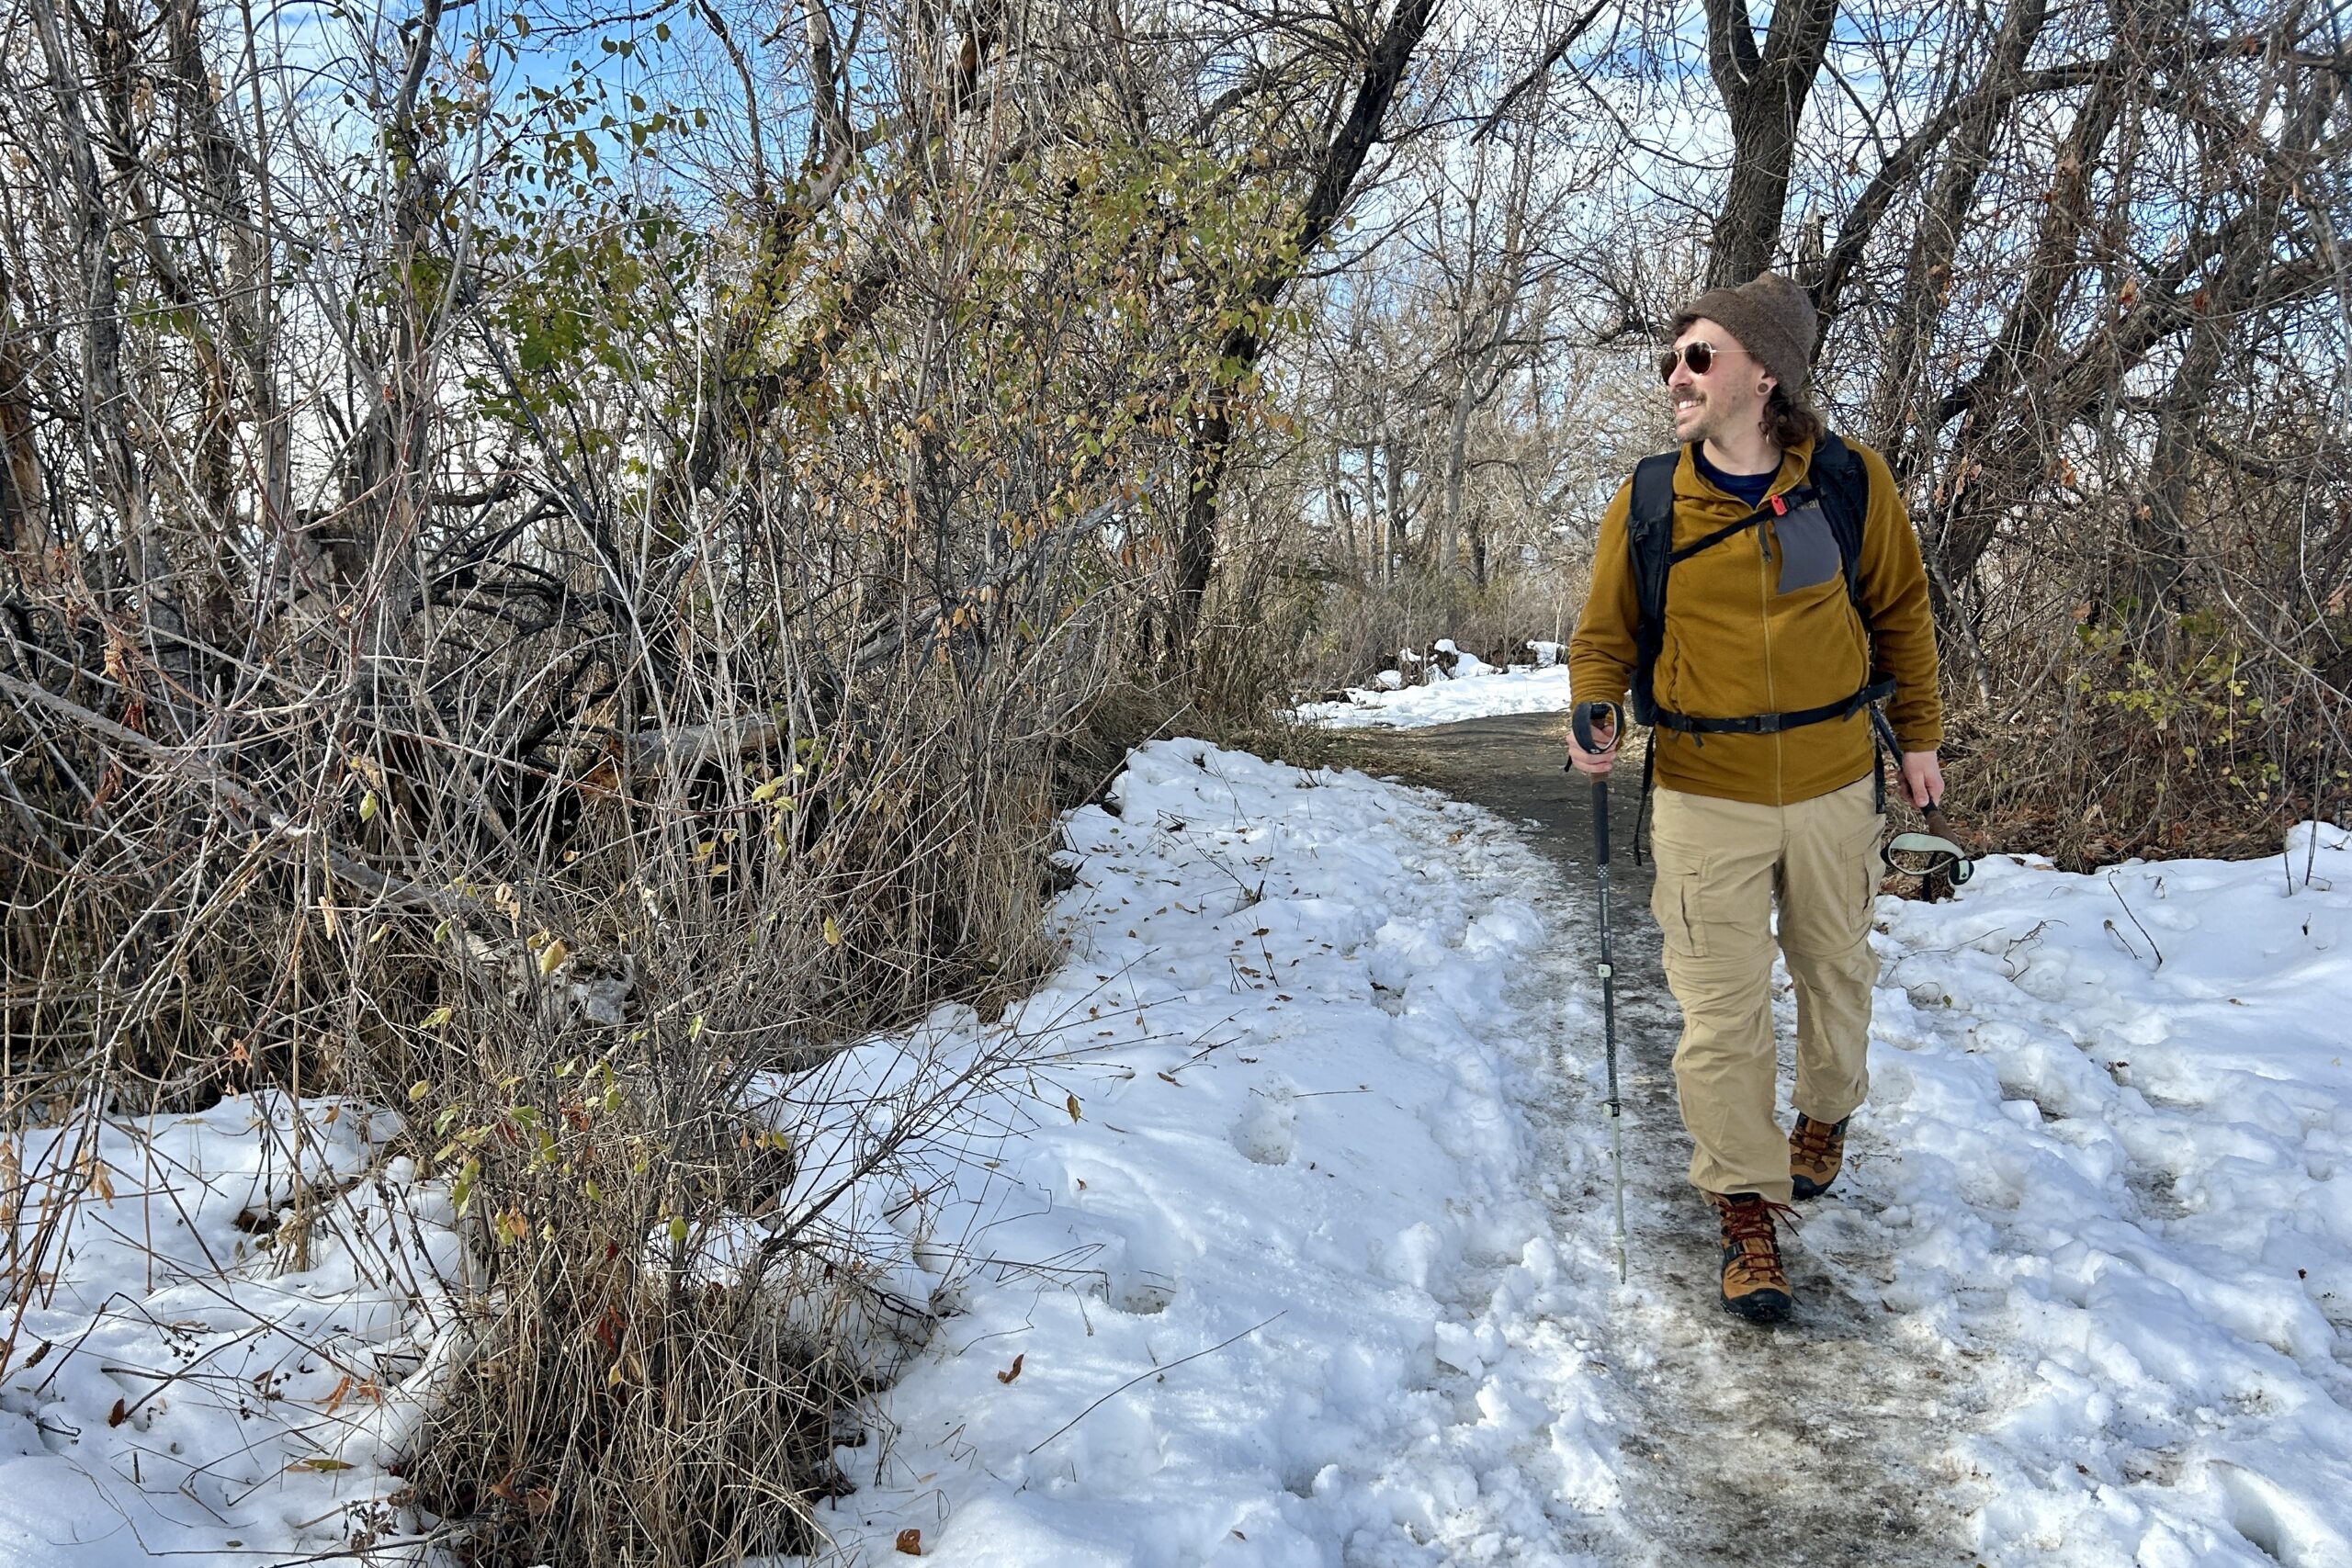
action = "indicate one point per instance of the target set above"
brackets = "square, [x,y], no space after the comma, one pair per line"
[1587,718]
[1927,854]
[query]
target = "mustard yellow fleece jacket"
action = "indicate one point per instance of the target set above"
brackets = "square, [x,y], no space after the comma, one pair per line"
[1734,645]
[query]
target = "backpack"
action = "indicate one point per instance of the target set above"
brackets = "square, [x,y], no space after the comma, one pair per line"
[1837,478]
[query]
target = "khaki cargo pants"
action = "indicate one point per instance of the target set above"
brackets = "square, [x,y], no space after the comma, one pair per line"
[1721,866]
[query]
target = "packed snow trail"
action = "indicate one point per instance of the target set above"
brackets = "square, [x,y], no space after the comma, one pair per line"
[2088,1275]
[1820,1443]
[1390,1332]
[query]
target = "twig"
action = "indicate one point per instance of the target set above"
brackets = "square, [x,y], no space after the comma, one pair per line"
[2115,931]
[2159,952]
[285,833]
[1148,1371]
[1552,57]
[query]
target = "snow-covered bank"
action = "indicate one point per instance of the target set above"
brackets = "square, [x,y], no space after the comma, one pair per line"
[1238,1286]
[184,1382]
[1517,690]
[1231,1221]
[2120,1113]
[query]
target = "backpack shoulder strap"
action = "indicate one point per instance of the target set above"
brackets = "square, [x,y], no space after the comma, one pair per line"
[1649,527]
[1649,539]
[1844,484]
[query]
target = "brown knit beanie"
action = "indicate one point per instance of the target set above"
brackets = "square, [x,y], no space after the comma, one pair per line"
[1771,317]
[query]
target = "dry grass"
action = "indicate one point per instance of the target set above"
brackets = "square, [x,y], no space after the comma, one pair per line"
[568,975]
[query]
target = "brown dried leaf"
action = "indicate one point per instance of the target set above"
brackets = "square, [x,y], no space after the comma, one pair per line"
[1014,1371]
[911,1542]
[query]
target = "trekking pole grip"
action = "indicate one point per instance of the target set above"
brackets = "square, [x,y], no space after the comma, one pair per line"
[1581,723]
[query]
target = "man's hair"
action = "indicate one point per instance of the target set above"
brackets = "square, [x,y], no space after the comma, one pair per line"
[1791,418]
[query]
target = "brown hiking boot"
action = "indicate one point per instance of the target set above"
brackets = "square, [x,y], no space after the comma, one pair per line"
[1753,1287]
[1816,1153]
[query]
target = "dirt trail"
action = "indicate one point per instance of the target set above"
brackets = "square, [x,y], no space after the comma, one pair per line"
[1816,1443]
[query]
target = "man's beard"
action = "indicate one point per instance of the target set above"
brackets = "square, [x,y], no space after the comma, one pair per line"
[1711,422]
[1702,420]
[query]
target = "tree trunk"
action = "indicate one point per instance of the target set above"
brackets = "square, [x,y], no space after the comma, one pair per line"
[1764,90]
[23,514]
[1393,469]
[1343,512]
[1341,162]
[1958,530]
[2159,522]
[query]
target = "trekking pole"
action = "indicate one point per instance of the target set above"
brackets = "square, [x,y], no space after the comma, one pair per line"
[1933,856]
[1581,725]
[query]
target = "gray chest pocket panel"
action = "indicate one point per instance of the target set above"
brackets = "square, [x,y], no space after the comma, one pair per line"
[1808,550]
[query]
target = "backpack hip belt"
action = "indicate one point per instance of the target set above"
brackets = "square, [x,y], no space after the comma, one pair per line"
[1876,691]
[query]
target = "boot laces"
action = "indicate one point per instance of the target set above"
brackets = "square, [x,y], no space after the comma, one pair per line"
[1749,1225]
[1752,1221]
[1813,1139]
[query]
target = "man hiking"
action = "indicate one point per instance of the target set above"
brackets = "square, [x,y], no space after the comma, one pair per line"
[1760,589]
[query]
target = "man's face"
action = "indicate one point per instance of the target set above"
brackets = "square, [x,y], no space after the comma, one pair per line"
[1726,398]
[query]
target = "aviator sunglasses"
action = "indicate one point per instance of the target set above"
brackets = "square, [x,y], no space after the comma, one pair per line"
[1699,354]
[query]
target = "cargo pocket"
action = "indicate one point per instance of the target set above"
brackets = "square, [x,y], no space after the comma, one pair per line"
[1863,858]
[1675,899]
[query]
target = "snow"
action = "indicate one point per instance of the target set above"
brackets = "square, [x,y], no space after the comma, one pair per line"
[1271,1230]
[183,1383]
[2119,1117]
[1238,1282]
[1258,1318]
[1540,689]
[1464,664]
